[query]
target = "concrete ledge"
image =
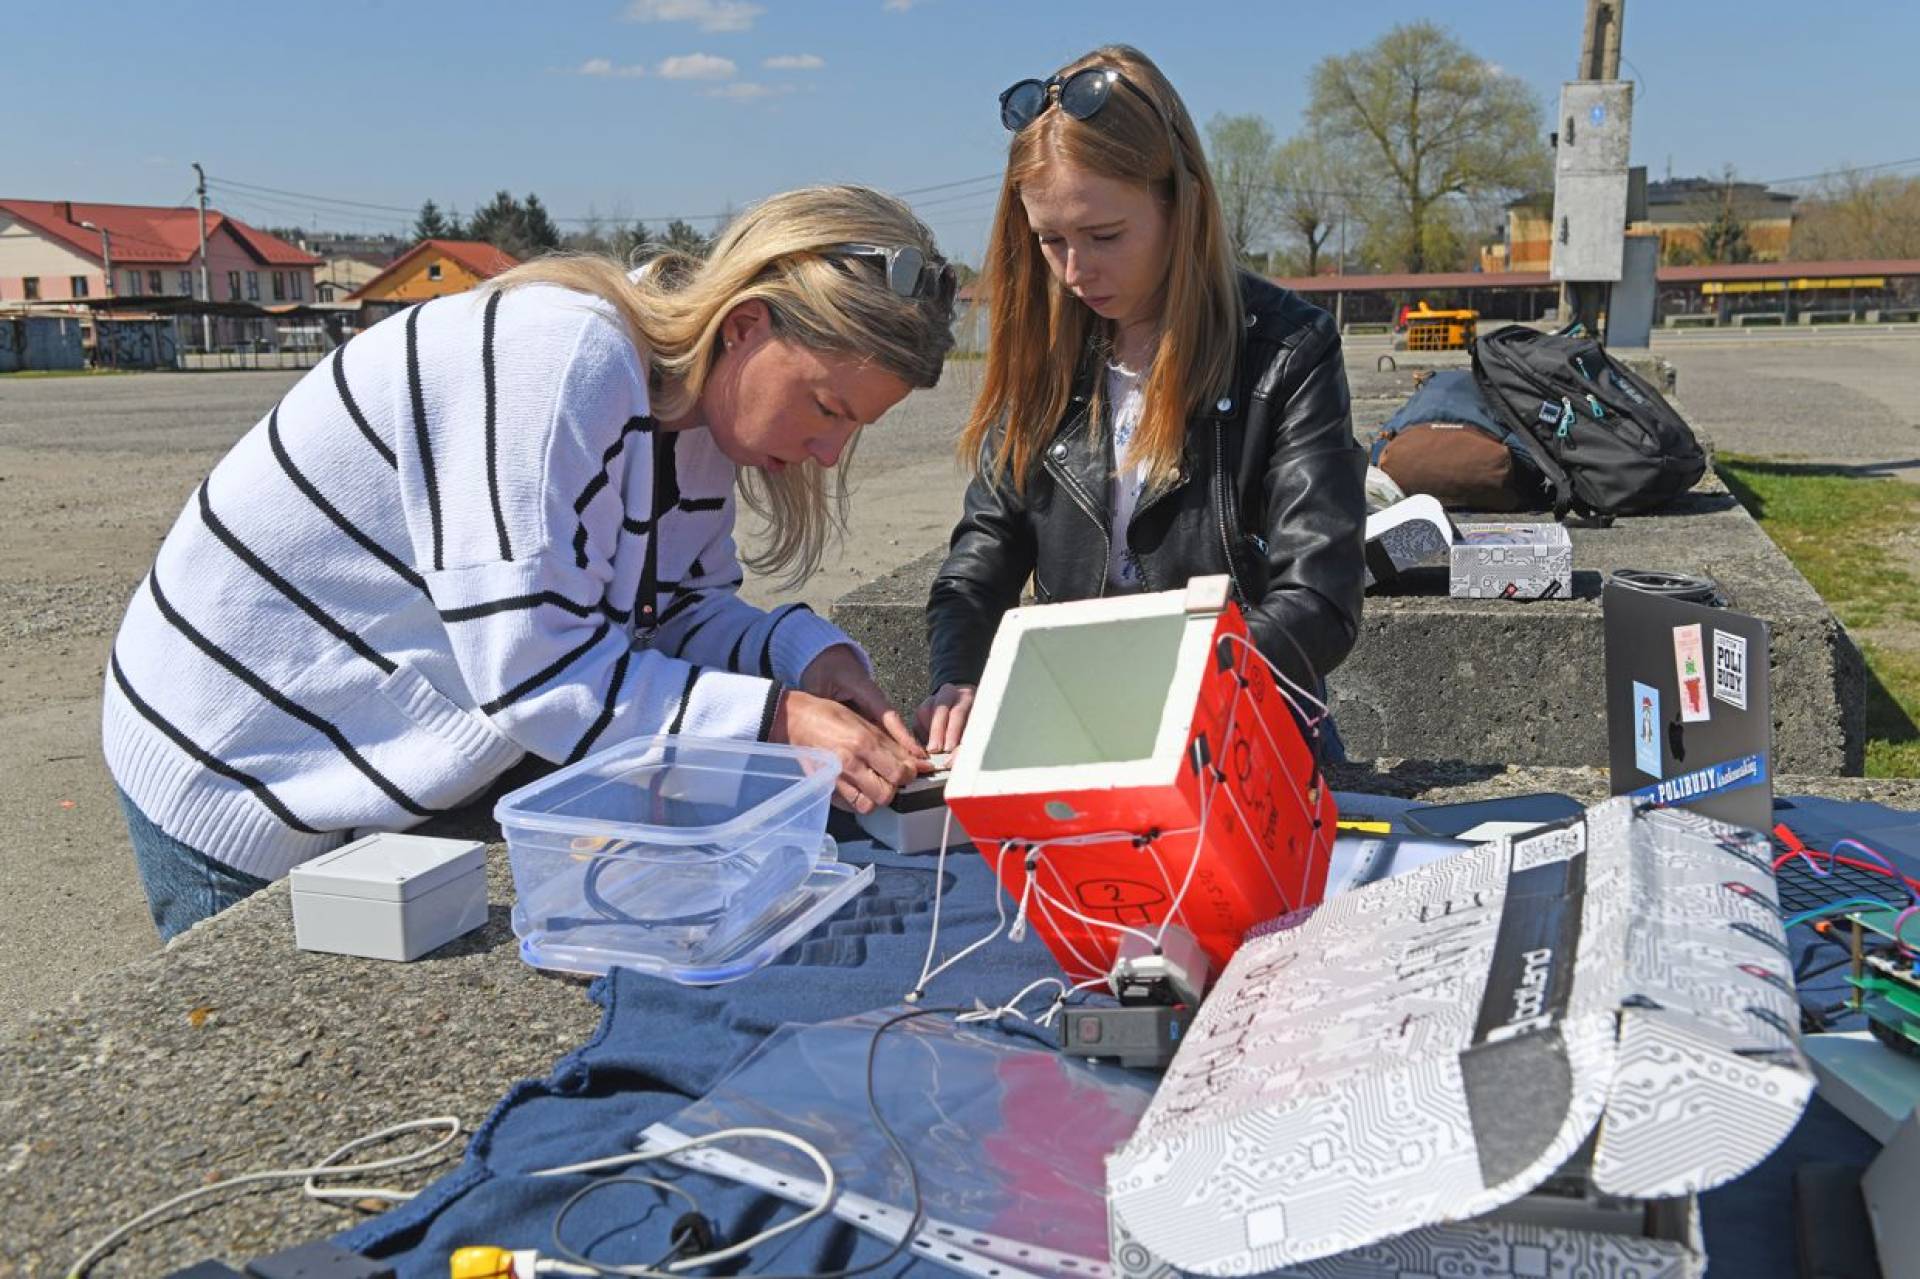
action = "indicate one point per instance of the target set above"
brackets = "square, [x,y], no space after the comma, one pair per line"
[1496,681]
[230,1051]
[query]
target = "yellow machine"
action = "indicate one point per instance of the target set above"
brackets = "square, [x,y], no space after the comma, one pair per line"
[1431,330]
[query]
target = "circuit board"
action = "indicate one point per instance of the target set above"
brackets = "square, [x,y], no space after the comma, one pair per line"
[1885,980]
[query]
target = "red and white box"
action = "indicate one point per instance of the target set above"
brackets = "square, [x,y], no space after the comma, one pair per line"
[1104,735]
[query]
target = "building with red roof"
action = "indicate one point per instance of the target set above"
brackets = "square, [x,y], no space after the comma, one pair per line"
[63,250]
[430,269]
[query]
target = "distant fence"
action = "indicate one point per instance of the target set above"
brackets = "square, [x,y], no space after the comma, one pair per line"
[134,344]
[218,360]
[41,343]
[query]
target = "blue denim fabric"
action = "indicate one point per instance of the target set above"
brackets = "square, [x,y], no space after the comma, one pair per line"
[184,885]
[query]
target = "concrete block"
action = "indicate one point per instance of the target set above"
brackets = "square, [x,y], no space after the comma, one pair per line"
[888,616]
[1487,680]
[1496,681]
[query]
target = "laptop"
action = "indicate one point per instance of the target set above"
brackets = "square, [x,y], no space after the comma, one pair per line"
[1689,706]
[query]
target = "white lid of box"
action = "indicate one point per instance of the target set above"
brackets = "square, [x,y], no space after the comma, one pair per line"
[1545,535]
[389,867]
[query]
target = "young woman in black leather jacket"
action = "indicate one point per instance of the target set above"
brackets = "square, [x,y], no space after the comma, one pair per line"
[1150,413]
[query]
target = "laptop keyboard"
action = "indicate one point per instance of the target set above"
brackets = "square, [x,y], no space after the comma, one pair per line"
[1802,890]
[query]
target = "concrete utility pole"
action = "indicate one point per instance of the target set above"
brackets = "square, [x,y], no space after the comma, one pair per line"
[1600,42]
[1599,60]
[106,254]
[206,290]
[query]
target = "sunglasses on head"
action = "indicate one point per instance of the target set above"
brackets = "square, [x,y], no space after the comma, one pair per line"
[910,272]
[1081,95]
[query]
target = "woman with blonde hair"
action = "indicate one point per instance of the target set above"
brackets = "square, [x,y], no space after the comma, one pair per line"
[1149,412]
[501,524]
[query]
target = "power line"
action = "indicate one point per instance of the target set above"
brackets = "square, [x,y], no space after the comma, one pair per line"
[1836,173]
[327,204]
[312,199]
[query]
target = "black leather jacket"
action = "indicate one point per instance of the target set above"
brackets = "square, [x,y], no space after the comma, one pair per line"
[1283,516]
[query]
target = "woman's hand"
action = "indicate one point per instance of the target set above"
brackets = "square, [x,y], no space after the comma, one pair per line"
[943,717]
[872,765]
[839,675]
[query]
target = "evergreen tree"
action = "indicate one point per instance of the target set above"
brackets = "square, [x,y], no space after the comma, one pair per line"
[431,224]
[538,234]
[631,244]
[498,222]
[682,238]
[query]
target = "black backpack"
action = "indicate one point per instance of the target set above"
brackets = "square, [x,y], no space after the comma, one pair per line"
[1604,439]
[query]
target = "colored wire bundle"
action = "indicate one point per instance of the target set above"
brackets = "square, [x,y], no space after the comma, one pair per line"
[1878,865]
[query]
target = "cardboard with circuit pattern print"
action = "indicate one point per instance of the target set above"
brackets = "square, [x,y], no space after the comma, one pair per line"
[1526,1059]
[1121,723]
[1511,562]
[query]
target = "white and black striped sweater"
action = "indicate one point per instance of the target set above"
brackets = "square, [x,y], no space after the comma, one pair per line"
[428,560]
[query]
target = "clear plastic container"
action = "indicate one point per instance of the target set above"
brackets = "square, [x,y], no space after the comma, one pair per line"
[696,859]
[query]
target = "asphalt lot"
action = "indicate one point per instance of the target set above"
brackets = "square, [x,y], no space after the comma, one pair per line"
[94,470]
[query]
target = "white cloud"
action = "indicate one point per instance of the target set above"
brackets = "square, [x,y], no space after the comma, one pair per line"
[708,15]
[795,62]
[748,91]
[898,6]
[696,66]
[605,67]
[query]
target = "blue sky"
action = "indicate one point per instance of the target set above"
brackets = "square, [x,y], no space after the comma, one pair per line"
[653,108]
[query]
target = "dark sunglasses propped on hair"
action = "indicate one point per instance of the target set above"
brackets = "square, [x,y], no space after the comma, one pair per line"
[909,271]
[1080,95]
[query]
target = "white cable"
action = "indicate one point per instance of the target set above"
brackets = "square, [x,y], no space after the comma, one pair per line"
[1060,1001]
[999,907]
[325,1168]
[1012,1006]
[1062,936]
[1218,776]
[1071,913]
[939,885]
[829,1182]
[1281,679]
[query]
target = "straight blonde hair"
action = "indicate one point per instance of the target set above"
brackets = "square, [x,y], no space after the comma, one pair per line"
[1038,332]
[776,253]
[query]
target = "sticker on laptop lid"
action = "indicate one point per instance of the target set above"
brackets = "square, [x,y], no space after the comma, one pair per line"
[1646,728]
[1730,668]
[1690,666]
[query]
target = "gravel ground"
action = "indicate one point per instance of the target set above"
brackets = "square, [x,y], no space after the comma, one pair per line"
[94,470]
[1852,401]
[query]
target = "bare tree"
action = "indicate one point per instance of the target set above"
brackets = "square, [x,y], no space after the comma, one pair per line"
[1242,148]
[1430,124]
[1853,215]
[1310,186]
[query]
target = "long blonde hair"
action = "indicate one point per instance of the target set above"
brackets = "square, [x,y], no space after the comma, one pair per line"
[1038,332]
[774,253]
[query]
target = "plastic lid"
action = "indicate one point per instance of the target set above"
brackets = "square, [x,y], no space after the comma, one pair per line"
[790,777]
[388,867]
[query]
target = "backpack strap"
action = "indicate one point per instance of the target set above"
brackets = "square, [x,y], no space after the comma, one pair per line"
[1556,475]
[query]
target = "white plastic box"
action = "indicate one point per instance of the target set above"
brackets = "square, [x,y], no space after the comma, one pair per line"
[390,896]
[917,818]
[695,859]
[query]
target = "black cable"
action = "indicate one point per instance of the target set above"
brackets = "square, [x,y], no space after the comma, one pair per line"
[1679,586]
[899,1148]
[566,1253]
[879,1121]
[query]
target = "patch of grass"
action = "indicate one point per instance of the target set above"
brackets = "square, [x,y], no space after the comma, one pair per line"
[1833,525]
[1893,708]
